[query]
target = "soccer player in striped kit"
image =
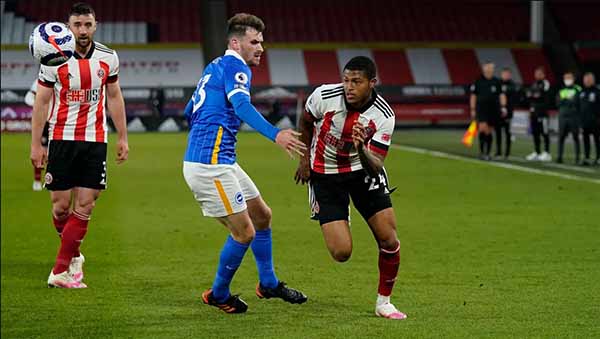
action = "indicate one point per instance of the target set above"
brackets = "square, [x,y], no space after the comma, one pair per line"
[76,158]
[349,127]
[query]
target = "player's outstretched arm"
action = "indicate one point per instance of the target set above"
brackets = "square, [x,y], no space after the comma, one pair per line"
[286,139]
[116,105]
[305,126]
[38,119]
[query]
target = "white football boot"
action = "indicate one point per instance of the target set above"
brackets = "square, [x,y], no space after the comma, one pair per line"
[545,157]
[384,309]
[37,186]
[532,157]
[76,268]
[64,280]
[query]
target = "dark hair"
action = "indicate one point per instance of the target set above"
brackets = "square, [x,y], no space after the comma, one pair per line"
[540,68]
[364,64]
[81,8]
[506,69]
[239,23]
[569,72]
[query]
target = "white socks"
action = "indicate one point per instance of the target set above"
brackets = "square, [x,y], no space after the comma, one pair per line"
[381,299]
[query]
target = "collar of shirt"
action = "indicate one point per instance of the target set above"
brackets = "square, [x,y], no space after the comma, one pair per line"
[235,54]
[365,107]
[89,53]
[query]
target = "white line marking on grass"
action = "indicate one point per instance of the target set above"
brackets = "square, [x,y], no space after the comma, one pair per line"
[555,165]
[496,164]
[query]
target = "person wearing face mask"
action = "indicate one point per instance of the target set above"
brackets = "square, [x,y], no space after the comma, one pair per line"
[568,116]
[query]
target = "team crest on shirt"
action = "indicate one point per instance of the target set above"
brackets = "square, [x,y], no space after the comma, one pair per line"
[101,73]
[239,198]
[386,137]
[48,178]
[241,77]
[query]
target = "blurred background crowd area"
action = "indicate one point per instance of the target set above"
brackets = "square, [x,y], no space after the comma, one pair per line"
[427,53]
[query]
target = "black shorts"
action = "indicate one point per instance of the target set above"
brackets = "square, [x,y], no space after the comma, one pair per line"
[330,194]
[76,164]
[45,135]
[491,118]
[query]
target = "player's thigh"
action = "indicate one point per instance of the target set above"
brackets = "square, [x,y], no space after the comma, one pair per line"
[370,194]
[249,189]
[329,198]
[91,166]
[215,187]
[338,239]
[61,167]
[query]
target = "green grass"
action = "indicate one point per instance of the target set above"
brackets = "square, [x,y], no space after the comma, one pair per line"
[487,252]
[449,141]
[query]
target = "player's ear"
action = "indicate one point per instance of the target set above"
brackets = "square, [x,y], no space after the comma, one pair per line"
[372,83]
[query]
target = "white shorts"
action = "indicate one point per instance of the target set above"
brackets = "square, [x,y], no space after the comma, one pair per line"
[221,190]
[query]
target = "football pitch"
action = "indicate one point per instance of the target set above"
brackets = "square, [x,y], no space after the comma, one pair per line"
[486,252]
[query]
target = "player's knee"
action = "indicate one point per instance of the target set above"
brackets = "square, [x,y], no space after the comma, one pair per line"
[86,206]
[262,218]
[245,236]
[390,245]
[60,208]
[341,255]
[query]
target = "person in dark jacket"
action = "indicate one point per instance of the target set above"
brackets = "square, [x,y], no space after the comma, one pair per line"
[569,118]
[589,104]
[509,88]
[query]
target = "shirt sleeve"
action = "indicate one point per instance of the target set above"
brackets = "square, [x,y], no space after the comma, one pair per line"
[473,88]
[47,76]
[313,104]
[113,68]
[382,139]
[237,79]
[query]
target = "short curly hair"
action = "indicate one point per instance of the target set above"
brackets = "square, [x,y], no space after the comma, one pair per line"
[239,23]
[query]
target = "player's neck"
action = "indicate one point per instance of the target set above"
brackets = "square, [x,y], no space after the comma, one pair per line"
[83,51]
[361,106]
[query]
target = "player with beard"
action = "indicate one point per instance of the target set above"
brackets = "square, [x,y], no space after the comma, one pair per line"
[76,157]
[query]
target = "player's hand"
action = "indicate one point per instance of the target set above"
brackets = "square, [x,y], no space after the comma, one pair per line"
[504,112]
[288,140]
[122,151]
[302,175]
[472,114]
[39,156]
[359,134]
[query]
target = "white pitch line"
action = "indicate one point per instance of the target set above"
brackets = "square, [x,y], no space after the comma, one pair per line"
[496,164]
[555,165]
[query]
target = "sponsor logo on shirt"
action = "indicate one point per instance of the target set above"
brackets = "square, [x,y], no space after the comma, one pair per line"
[83,95]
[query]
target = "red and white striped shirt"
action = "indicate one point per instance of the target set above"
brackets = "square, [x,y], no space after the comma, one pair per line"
[78,111]
[332,150]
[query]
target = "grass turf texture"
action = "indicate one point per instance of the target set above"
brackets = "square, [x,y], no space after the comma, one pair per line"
[448,141]
[486,252]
